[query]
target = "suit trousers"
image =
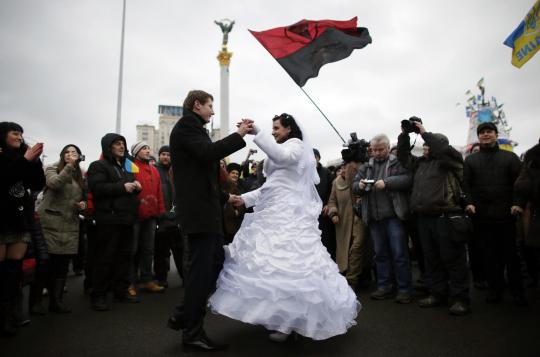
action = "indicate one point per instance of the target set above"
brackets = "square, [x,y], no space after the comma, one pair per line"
[206,256]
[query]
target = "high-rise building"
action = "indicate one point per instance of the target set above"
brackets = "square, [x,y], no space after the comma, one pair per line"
[156,138]
[147,133]
[168,116]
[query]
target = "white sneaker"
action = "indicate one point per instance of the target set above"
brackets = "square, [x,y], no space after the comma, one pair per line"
[277,336]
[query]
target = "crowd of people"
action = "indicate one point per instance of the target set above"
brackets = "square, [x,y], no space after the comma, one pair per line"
[470,222]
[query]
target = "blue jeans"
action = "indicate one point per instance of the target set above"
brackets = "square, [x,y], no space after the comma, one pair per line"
[391,254]
[143,250]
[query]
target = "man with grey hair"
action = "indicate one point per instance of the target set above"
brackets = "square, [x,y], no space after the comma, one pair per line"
[383,184]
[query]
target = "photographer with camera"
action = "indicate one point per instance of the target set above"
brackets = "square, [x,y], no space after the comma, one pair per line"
[436,200]
[63,199]
[383,183]
[248,178]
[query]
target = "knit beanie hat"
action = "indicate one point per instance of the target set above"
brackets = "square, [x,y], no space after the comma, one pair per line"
[135,148]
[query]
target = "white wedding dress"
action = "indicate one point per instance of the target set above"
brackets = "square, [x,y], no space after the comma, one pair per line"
[277,273]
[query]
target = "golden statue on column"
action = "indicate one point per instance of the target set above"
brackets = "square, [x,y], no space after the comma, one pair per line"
[226,26]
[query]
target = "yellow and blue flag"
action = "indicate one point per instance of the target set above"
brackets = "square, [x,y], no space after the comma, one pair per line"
[130,166]
[525,40]
[505,144]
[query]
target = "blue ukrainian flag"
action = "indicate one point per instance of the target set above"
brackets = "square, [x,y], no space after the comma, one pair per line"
[525,40]
[505,144]
[130,166]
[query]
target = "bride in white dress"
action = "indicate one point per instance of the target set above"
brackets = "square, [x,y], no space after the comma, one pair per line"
[277,273]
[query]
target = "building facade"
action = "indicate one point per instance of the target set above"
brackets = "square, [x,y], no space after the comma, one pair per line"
[156,138]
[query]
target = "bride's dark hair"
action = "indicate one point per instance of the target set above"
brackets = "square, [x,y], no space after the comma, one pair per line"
[288,121]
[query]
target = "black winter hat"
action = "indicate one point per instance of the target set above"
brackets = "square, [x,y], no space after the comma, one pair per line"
[488,125]
[164,148]
[234,166]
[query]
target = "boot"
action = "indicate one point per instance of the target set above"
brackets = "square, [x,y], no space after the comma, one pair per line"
[56,297]
[20,318]
[11,283]
[35,300]
[9,326]
[36,291]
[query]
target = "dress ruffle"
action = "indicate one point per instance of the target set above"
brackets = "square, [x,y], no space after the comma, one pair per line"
[278,274]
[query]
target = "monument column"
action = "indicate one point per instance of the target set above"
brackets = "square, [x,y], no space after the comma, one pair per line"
[224,58]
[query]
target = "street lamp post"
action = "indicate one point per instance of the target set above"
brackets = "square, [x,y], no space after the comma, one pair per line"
[120,74]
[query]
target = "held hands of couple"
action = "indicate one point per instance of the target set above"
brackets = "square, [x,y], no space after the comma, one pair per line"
[235,200]
[247,126]
[33,152]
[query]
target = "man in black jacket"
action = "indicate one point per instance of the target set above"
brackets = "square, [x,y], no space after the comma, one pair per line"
[435,196]
[328,231]
[168,237]
[114,190]
[199,199]
[489,177]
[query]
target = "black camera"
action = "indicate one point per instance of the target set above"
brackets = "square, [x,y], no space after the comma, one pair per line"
[82,158]
[408,125]
[356,150]
[369,184]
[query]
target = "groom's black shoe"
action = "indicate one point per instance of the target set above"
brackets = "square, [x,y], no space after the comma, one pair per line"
[203,343]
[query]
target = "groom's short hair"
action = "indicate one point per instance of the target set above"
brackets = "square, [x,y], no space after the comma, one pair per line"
[195,95]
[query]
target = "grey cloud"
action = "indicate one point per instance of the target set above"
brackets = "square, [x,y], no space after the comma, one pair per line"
[59,66]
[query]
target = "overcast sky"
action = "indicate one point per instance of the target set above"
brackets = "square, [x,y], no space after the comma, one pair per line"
[59,64]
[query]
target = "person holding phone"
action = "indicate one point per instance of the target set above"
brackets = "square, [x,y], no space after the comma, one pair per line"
[63,199]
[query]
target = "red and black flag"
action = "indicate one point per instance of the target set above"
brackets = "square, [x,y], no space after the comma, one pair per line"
[303,48]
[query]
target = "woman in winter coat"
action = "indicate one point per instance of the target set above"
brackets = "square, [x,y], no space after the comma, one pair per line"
[20,172]
[63,199]
[351,247]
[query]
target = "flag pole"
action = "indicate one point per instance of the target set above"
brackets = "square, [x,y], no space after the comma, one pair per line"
[325,117]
